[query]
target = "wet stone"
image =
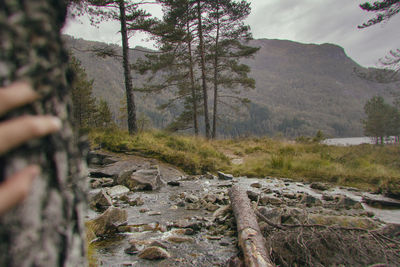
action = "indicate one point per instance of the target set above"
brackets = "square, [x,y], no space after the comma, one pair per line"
[117,190]
[100,201]
[136,202]
[348,203]
[319,186]
[224,176]
[310,200]
[154,253]
[191,199]
[265,200]
[174,183]
[253,196]
[256,185]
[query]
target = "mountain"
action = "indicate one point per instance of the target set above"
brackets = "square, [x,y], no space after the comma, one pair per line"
[300,88]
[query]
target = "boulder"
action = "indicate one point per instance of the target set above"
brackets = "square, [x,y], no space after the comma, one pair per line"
[253,196]
[114,170]
[224,176]
[147,179]
[256,185]
[348,203]
[265,200]
[191,199]
[117,191]
[310,200]
[344,221]
[107,223]
[319,186]
[154,253]
[174,183]
[100,201]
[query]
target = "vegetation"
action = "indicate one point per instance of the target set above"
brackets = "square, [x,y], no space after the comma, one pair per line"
[87,112]
[365,166]
[382,119]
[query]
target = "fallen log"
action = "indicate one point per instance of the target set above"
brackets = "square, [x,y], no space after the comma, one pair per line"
[251,241]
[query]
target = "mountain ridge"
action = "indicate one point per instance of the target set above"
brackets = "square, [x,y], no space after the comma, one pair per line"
[300,88]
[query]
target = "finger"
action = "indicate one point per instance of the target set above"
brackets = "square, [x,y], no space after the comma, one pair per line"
[19,130]
[17,187]
[16,95]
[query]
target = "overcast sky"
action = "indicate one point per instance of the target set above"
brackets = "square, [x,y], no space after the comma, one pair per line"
[306,21]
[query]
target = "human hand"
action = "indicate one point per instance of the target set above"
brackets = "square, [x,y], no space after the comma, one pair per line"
[16,131]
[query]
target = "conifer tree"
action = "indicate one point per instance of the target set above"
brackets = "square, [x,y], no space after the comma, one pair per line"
[227,40]
[131,18]
[83,103]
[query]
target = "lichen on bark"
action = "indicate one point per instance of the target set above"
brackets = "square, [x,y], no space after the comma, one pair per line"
[47,229]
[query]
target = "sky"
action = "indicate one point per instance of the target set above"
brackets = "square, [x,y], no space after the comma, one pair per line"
[306,21]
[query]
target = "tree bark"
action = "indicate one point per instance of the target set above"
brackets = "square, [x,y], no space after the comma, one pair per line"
[192,83]
[214,128]
[47,229]
[130,98]
[203,70]
[251,241]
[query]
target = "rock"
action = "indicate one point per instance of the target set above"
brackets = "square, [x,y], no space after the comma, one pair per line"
[154,253]
[174,183]
[319,186]
[380,203]
[132,249]
[265,200]
[267,191]
[107,223]
[210,198]
[96,158]
[191,199]
[154,213]
[193,206]
[348,203]
[180,239]
[223,176]
[101,182]
[289,195]
[136,202]
[256,185]
[157,243]
[181,204]
[209,176]
[253,196]
[274,215]
[117,190]
[211,207]
[113,170]
[310,201]
[144,210]
[100,201]
[149,179]
[327,197]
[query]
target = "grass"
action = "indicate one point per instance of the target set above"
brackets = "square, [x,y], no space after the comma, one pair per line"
[365,166]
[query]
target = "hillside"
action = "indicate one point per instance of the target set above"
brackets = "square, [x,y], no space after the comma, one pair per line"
[300,88]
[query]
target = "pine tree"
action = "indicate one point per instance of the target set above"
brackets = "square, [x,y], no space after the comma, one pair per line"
[227,40]
[131,18]
[384,9]
[83,103]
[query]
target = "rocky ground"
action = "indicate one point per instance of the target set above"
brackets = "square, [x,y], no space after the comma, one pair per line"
[145,213]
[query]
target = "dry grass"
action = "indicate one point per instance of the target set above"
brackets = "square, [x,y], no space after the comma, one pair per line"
[364,166]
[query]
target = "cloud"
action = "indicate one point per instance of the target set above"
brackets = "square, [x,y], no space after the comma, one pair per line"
[307,21]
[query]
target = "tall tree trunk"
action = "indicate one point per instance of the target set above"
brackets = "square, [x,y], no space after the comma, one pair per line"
[192,83]
[130,98]
[47,229]
[214,129]
[203,69]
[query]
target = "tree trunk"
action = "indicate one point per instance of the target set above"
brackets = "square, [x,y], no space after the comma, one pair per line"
[203,69]
[251,241]
[214,129]
[192,83]
[130,98]
[47,229]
